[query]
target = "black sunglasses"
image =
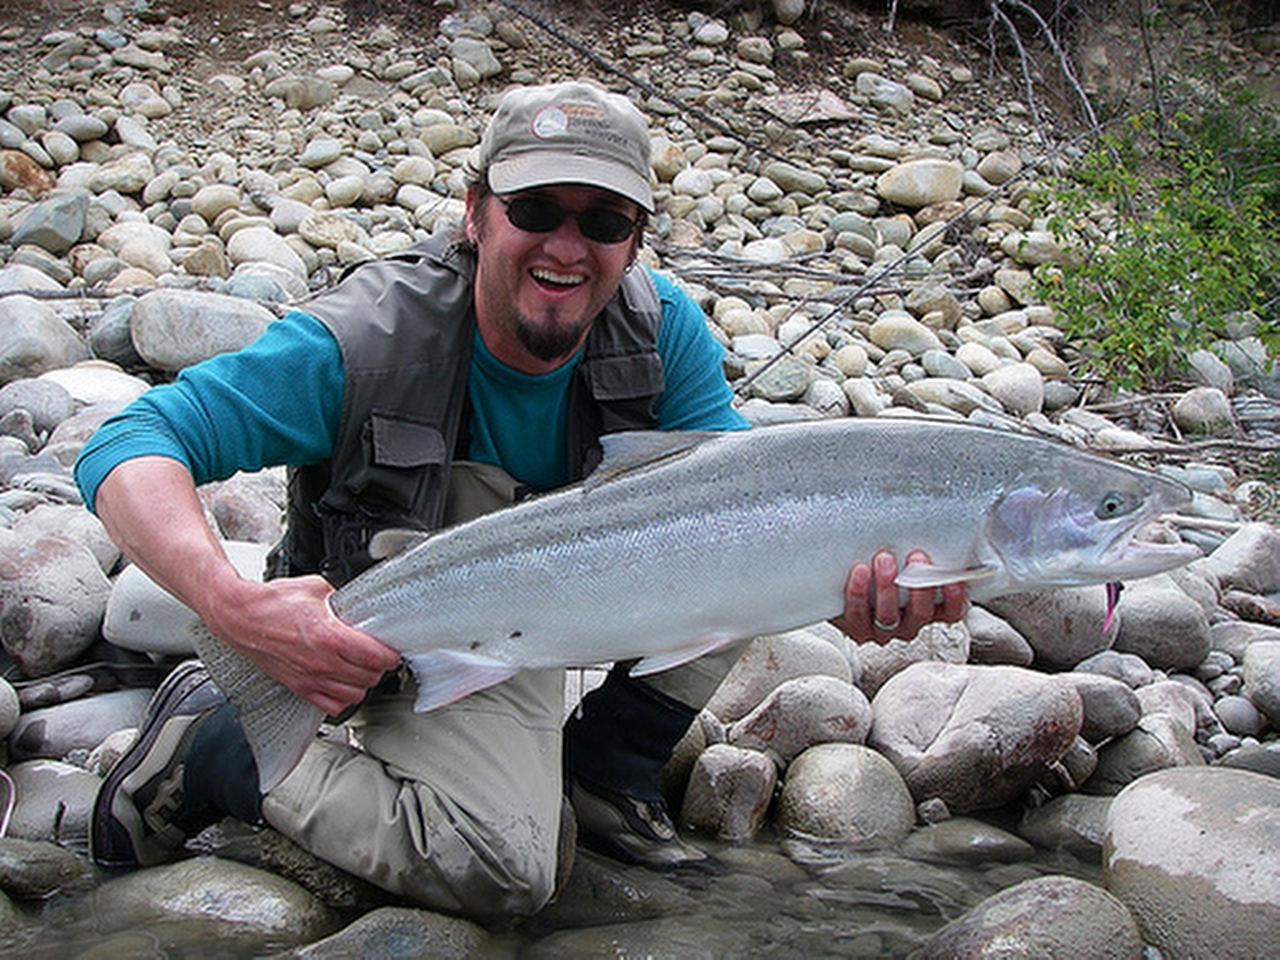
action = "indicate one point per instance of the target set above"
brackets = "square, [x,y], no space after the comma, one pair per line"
[540,215]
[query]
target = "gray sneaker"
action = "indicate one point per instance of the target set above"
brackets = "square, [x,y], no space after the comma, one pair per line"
[139,817]
[626,828]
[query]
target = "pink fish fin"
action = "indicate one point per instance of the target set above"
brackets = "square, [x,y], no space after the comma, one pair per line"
[658,662]
[447,675]
[919,574]
[1113,598]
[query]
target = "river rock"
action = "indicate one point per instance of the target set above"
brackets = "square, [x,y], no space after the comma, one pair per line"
[173,329]
[1194,853]
[934,643]
[52,597]
[143,617]
[54,803]
[1249,560]
[217,901]
[974,736]
[1063,626]
[846,792]
[10,708]
[1262,677]
[803,712]
[401,931]
[1161,624]
[964,841]
[1156,743]
[729,792]
[1041,918]
[76,524]
[32,870]
[1111,708]
[770,661]
[1073,822]
[33,339]
[51,733]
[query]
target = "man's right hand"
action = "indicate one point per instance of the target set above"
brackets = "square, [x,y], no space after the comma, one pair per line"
[286,628]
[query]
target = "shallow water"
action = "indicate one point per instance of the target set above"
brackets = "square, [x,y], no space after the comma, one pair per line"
[765,899]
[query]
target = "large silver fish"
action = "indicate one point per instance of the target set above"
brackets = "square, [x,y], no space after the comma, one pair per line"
[681,543]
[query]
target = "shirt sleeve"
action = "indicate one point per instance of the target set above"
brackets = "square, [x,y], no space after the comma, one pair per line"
[277,401]
[696,395]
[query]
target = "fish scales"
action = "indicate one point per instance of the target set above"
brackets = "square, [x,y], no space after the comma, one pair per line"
[681,543]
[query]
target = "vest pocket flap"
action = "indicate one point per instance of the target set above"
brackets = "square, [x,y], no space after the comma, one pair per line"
[625,378]
[405,443]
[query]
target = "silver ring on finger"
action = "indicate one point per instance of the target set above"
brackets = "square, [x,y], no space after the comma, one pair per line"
[887,627]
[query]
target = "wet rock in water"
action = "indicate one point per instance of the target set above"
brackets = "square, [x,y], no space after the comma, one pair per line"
[602,891]
[1195,855]
[975,736]
[847,793]
[963,841]
[401,931]
[213,900]
[54,732]
[729,792]
[1044,918]
[31,870]
[693,936]
[803,712]
[1074,822]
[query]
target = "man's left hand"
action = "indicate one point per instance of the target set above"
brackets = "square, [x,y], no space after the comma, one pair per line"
[871,605]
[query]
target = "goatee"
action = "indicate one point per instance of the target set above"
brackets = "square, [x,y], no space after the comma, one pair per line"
[551,341]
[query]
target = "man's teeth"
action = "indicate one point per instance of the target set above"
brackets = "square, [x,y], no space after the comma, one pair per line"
[561,279]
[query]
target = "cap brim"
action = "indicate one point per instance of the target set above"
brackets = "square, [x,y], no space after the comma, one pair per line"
[544,168]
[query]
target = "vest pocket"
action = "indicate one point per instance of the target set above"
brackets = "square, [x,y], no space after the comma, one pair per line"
[401,456]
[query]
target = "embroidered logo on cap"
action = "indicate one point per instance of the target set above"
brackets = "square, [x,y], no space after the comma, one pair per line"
[557,119]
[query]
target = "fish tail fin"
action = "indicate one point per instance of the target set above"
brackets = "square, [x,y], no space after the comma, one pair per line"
[278,723]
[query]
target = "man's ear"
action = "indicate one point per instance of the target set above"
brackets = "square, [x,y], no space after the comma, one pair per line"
[469,218]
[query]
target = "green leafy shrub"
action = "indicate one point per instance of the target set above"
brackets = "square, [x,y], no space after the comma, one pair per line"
[1181,233]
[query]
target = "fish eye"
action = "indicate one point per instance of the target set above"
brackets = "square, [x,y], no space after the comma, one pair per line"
[1111,506]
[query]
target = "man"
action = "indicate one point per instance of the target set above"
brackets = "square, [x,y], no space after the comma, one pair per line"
[427,388]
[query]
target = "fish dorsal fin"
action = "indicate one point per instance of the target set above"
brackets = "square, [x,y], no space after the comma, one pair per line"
[394,541]
[637,449]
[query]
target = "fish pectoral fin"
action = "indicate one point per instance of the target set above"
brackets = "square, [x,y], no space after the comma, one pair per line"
[920,574]
[447,675]
[658,662]
[636,449]
[394,541]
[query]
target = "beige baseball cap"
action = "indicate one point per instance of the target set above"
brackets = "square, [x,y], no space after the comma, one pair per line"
[567,133]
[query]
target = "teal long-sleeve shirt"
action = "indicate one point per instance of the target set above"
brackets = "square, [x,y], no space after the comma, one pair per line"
[279,400]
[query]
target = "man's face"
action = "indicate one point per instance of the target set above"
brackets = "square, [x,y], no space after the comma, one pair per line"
[538,292]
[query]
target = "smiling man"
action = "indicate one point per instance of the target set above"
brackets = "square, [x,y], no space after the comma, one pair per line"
[429,387]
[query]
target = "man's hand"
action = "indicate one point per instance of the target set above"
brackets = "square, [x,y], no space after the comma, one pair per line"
[287,629]
[871,609]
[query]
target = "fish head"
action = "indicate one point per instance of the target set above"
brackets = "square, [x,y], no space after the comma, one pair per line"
[1074,525]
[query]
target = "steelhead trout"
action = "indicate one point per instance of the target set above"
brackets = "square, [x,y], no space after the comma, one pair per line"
[682,542]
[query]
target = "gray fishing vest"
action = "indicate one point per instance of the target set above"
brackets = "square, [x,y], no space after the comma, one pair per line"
[405,325]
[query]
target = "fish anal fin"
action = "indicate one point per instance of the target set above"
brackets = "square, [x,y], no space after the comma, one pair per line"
[917,573]
[637,449]
[658,662]
[447,675]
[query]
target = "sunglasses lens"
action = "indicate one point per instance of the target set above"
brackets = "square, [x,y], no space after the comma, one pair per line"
[605,226]
[536,215]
